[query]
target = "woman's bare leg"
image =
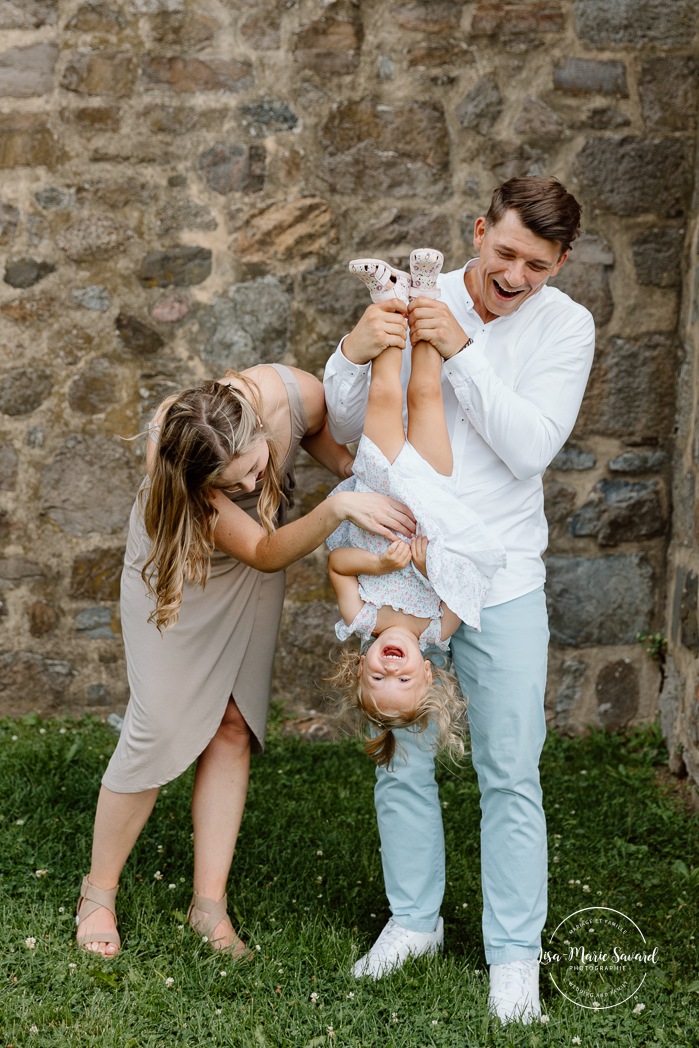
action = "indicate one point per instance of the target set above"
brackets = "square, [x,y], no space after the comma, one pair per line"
[218,801]
[427,427]
[119,819]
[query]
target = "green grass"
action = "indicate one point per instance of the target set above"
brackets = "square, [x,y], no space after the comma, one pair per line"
[306,889]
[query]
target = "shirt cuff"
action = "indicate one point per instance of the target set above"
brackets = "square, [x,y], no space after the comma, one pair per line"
[345,366]
[466,364]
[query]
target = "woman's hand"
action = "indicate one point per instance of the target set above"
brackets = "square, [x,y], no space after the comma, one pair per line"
[418,553]
[377,513]
[396,557]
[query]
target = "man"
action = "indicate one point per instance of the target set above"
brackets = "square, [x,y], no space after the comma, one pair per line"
[517,355]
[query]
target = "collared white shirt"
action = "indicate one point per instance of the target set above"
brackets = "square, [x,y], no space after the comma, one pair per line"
[511,400]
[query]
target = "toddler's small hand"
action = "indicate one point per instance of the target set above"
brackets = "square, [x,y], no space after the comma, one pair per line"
[418,553]
[397,556]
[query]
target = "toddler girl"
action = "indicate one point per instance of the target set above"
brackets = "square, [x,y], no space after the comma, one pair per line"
[404,599]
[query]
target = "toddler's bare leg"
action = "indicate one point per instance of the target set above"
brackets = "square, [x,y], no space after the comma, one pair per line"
[427,427]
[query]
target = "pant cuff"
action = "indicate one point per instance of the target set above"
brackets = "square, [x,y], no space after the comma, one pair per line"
[506,954]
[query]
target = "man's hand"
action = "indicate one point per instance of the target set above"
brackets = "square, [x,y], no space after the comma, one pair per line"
[382,324]
[418,553]
[432,321]
[394,558]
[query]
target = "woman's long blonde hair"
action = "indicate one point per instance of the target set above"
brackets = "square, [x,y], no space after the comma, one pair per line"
[201,430]
[442,706]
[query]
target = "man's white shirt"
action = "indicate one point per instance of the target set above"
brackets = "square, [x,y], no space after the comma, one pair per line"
[511,400]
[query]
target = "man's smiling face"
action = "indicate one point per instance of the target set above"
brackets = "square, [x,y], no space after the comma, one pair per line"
[514,264]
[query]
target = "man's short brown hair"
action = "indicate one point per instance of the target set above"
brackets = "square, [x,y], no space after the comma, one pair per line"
[544,206]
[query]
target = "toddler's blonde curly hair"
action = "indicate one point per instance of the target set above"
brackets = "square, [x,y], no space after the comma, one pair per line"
[442,705]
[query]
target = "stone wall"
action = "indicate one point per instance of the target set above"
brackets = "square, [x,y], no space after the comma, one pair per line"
[183,182]
[679,701]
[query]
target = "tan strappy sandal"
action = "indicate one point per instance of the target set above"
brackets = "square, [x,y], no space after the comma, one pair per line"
[91,899]
[204,915]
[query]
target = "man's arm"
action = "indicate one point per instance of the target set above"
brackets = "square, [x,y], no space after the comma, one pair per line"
[528,425]
[348,371]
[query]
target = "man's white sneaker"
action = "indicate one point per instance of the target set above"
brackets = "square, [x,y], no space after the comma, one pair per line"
[393,947]
[514,991]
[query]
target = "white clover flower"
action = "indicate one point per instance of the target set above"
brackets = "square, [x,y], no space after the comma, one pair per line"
[545,1018]
[157,876]
[434,1022]
[61,731]
[30,942]
[586,887]
[223,974]
[33,1029]
[172,887]
[258,948]
[315,997]
[556,858]
[72,967]
[42,731]
[576,1040]
[169,981]
[319,852]
[14,738]
[394,1017]
[639,1008]
[19,822]
[596,1005]
[350,995]
[330,1031]
[40,873]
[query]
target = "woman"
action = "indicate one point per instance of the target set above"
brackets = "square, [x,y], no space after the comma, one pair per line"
[201,599]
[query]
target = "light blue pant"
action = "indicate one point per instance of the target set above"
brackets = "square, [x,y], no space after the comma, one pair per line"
[502,669]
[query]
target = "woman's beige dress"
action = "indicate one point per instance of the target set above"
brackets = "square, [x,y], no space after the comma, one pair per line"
[222,645]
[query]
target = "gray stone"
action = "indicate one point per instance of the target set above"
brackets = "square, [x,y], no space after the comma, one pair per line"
[481,107]
[573,458]
[329,45]
[629,176]
[394,228]
[685,511]
[8,467]
[262,29]
[194,75]
[89,486]
[150,7]
[136,335]
[28,679]
[670,702]
[268,116]
[636,22]
[569,690]
[27,140]
[605,118]
[250,326]
[16,570]
[95,623]
[607,600]
[657,256]
[27,14]
[108,72]
[359,138]
[42,617]
[186,215]
[638,400]
[559,501]
[638,461]
[96,574]
[579,76]
[98,695]
[93,236]
[95,389]
[25,272]
[621,511]
[94,297]
[178,267]
[509,159]
[9,220]
[686,619]
[618,694]
[668,90]
[55,198]
[536,120]
[233,168]
[36,437]
[585,276]
[430,16]
[28,71]
[180,120]
[170,310]
[299,231]
[95,16]
[22,390]
[517,23]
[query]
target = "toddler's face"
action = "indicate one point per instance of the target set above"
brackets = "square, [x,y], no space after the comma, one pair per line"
[394,675]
